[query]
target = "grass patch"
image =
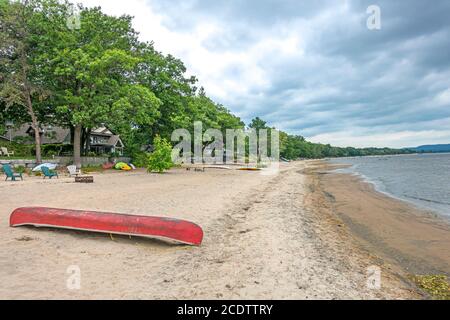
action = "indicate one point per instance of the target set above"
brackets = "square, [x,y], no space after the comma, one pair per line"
[436,285]
[90,169]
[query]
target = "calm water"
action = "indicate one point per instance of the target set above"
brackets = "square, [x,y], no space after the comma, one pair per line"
[421,179]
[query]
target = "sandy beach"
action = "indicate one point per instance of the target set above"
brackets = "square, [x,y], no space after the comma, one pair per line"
[266,237]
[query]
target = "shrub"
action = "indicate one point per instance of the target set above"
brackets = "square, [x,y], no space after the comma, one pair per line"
[50,150]
[51,154]
[20,169]
[20,150]
[140,159]
[114,154]
[24,140]
[161,158]
[92,168]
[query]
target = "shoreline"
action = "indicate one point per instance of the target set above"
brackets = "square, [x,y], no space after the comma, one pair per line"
[401,233]
[379,188]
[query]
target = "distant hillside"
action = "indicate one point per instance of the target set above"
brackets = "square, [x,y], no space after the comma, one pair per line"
[433,148]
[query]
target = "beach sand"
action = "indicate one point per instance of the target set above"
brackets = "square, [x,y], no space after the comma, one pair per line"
[266,237]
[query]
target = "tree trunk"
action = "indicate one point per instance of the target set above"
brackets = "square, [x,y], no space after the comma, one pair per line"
[72,133]
[35,125]
[77,146]
[37,141]
[88,140]
[83,141]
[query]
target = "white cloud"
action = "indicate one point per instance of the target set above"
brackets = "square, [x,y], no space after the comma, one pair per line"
[443,98]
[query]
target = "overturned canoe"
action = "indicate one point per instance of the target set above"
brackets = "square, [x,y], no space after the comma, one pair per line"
[141,226]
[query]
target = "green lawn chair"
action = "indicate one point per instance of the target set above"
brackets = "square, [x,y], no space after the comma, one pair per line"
[47,173]
[10,174]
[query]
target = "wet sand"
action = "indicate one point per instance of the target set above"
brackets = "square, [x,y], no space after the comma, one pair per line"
[415,240]
[266,237]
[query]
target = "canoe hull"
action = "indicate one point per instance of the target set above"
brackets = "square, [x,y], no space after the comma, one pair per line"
[173,230]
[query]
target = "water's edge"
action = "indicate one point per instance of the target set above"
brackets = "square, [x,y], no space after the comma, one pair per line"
[437,208]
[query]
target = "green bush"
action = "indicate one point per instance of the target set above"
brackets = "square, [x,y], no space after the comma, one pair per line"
[140,159]
[24,140]
[20,150]
[114,154]
[51,154]
[161,158]
[20,169]
[50,150]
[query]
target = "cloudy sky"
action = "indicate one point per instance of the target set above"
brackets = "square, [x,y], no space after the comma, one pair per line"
[313,67]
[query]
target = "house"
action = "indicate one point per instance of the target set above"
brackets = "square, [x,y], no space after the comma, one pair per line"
[4,136]
[49,135]
[102,140]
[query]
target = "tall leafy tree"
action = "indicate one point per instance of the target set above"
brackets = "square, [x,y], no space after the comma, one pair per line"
[166,77]
[258,124]
[93,70]
[22,34]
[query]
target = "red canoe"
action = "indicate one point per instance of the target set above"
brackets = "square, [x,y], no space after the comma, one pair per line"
[141,226]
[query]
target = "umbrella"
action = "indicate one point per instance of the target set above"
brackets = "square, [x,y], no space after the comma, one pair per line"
[51,166]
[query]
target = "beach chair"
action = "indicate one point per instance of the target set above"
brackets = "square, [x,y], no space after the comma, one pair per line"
[47,173]
[5,152]
[73,171]
[10,174]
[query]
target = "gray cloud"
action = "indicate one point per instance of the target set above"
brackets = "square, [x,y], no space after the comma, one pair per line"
[313,67]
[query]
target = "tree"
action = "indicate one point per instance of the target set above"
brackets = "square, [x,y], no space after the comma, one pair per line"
[165,77]
[258,124]
[161,158]
[22,33]
[212,115]
[2,117]
[93,71]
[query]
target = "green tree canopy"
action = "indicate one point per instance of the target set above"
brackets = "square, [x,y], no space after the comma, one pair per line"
[94,75]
